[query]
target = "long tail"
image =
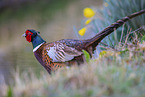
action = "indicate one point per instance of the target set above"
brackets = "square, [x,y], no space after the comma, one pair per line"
[101,35]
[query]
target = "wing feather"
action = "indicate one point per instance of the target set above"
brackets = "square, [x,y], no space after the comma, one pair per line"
[61,53]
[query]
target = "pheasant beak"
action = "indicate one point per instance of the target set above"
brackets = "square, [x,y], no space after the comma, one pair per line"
[24,35]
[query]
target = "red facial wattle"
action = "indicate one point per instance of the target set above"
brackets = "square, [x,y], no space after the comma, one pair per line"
[28,36]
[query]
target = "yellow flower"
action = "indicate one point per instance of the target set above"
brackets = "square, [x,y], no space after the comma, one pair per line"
[106,4]
[88,12]
[82,31]
[88,21]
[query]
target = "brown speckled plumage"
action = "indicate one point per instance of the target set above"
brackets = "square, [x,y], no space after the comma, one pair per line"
[69,51]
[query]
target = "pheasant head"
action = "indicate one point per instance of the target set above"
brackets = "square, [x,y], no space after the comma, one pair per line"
[34,37]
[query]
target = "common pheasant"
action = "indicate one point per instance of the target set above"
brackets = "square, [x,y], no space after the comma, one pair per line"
[64,52]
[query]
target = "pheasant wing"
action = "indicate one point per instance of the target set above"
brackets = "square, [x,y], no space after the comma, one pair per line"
[60,52]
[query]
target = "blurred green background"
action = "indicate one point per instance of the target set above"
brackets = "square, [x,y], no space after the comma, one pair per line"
[114,74]
[53,18]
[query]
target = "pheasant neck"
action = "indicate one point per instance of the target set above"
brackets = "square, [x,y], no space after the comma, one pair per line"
[37,42]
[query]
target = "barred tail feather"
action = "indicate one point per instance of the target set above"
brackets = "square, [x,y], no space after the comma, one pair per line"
[101,35]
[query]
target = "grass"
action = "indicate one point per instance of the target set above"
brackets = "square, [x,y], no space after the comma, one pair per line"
[112,74]
[112,11]
[115,73]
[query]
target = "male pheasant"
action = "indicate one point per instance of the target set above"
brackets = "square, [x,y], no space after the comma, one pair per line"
[68,51]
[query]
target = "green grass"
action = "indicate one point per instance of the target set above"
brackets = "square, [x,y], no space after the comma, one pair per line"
[111,75]
[114,10]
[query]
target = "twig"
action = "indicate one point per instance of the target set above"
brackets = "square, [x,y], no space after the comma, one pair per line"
[127,37]
[137,30]
[122,33]
[108,46]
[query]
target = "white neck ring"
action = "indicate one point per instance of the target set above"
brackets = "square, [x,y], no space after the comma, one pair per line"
[35,49]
